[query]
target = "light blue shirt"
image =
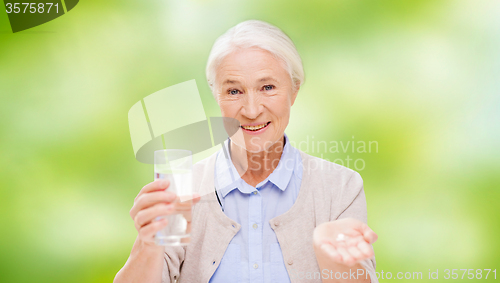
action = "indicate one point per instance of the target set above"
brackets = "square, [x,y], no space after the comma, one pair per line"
[254,254]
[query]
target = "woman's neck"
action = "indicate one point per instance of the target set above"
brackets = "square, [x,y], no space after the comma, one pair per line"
[255,167]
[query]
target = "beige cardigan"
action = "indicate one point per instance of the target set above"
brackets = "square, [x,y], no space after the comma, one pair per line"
[328,192]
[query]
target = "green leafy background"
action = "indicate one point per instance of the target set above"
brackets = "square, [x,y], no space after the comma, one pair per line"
[421,78]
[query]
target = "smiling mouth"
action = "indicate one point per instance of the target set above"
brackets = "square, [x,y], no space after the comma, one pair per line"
[256,128]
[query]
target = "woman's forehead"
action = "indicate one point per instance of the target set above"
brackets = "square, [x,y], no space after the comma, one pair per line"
[249,58]
[255,64]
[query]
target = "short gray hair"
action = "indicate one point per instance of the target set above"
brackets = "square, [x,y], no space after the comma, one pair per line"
[254,33]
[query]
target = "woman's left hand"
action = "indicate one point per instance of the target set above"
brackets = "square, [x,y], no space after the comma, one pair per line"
[351,247]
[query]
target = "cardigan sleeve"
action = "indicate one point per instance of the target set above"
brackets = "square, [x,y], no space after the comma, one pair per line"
[354,202]
[173,259]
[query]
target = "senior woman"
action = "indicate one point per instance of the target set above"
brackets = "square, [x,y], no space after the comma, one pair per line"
[269,212]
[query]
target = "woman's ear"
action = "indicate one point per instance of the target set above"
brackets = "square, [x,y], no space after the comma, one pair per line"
[214,94]
[295,92]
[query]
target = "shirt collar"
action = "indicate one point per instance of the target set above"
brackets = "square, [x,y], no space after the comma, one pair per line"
[228,179]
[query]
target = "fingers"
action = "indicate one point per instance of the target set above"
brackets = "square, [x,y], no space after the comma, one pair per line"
[147,232]
[154,201]
[349,252]
[365,248]
[356,253]
[158,185]
[347,258]
[345,241]
[342,253]
[147,215]
[149,199]
[332,252]
[368,234]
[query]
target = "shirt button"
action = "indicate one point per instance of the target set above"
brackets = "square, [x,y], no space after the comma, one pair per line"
[255,226]
[276,223]
[255,266]
[290,261]
[255,192]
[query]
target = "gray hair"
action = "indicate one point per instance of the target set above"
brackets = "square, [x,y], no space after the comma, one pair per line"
[254,33]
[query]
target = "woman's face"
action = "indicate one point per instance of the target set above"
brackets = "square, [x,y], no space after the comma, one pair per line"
[253,87]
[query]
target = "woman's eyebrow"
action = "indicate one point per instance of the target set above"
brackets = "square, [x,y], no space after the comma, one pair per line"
[231,82]
[265,79]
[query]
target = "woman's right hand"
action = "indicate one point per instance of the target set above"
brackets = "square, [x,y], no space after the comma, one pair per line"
[153,201]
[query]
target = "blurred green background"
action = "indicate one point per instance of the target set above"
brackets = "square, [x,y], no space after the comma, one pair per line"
[421,78]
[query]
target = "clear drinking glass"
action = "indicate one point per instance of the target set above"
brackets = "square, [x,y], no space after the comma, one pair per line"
[175,165]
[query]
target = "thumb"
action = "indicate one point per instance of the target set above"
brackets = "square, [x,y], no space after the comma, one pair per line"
[369,235]
[196,198]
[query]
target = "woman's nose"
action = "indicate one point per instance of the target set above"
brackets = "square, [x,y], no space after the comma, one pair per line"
[252,106]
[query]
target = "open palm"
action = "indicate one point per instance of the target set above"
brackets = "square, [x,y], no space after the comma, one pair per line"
[345,241]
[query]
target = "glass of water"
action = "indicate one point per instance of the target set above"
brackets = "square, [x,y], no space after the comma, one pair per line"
[175,165]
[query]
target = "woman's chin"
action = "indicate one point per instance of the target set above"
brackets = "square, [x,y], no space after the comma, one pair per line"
[250,148]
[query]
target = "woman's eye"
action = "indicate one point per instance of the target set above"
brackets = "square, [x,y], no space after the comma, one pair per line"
[268,87]
[233,91]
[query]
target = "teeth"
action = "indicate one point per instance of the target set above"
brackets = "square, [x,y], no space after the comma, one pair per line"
[255,128]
